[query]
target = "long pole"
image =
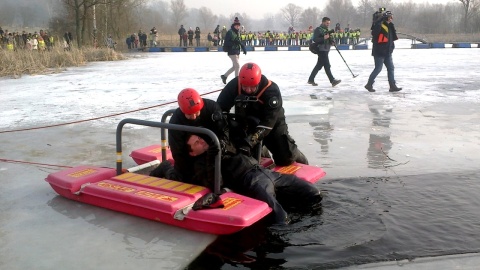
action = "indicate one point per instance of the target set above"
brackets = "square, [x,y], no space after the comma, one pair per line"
[344,60]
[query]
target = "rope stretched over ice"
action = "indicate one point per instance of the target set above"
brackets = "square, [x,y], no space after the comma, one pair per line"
[32,163]
[100,117]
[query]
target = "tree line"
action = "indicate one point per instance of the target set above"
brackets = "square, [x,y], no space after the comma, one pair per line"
[94,20]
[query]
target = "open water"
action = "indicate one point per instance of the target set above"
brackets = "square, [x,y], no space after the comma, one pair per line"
[364,220]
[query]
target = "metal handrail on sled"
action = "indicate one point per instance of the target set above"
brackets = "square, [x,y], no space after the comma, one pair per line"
[164,126]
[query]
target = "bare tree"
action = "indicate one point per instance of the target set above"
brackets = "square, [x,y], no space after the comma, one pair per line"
[80,9]
[245,21]
[179,12]
[120,16]
[291,14]
[206,17]
[404,15]
[340,11]
[382,3]
[366,9]
[428,20]
[155,13]
[310,17]
[470,8]
[269,21]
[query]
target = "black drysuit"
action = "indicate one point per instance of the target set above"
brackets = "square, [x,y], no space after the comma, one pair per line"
[244,175]
[265,106]
[210,118]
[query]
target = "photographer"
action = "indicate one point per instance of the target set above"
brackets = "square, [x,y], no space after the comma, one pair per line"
[377,16]
[321,37]
[383,37]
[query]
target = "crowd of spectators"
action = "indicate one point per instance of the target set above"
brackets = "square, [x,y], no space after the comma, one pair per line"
[193,37]
[40,41]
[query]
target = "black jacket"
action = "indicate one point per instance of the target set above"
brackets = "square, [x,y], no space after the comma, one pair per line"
[181,31]
[319,39]
[178,139]
[232,41]
[383,49]
[268,109]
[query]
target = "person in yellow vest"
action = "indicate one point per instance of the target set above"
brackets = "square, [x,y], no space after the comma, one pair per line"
[352,37]
[41,43]
[243,37]
[10,46]
[51,40]
[293,39]
[268,38]
[341,34]
[263,39]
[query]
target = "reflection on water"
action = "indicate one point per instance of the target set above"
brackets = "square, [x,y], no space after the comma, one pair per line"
[379,143]
[365,220]
[322,131]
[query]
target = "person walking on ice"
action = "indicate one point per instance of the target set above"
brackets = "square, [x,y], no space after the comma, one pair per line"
[383,37]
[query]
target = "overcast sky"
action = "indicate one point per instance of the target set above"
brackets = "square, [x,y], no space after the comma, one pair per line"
[257,8]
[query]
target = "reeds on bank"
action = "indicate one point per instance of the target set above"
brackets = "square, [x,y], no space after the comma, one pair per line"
[20,62]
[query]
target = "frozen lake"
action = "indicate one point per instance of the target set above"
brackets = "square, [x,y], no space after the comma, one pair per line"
[400,166]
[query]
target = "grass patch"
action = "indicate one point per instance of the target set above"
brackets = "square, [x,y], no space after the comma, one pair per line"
[17,63]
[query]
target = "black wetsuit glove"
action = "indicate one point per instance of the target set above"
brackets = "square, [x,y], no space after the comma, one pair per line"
[256,137]
[245,149]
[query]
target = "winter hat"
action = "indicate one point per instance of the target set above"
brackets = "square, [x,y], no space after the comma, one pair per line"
[236,21]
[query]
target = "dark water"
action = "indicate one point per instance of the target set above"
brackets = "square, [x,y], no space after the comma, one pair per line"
[363,220]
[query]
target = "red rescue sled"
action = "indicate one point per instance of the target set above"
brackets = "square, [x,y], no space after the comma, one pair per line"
[165,200]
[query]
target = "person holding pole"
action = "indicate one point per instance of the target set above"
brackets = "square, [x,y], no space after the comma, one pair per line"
[321,37]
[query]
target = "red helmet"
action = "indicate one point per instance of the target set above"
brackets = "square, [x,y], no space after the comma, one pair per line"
[190,101]
[250,74]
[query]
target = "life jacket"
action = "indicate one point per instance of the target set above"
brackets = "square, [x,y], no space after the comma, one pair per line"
[260,93]
[383,36]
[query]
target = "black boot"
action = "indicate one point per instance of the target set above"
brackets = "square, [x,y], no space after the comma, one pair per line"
[394,88]
[335,82]
[369,87]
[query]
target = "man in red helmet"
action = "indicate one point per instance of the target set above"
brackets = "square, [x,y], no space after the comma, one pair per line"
[193,111]
[256,97]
